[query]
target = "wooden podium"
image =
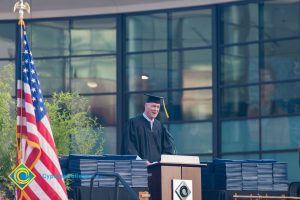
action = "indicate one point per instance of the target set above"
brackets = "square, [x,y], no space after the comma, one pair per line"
[163,173]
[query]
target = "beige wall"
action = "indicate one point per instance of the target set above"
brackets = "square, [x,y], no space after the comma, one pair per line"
[65,8]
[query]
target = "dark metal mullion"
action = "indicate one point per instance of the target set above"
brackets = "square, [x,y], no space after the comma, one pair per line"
[216,133]
[261,117]
[70,56]
[189,121]
[122,109]
[8,59]
[169,59]
[257,152]
[258,83]
[261,63]
[16,59]
[170,89]
[75,56]
[170,49]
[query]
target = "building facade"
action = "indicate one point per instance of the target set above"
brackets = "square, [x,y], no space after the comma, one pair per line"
[230,73]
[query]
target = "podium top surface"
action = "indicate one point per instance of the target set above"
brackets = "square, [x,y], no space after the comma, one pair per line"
[178,160]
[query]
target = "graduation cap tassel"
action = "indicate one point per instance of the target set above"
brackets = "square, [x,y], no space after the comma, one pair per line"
[165,108]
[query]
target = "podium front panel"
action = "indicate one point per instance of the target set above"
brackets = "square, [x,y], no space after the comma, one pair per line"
[168,174]
[193,173]
[160,180]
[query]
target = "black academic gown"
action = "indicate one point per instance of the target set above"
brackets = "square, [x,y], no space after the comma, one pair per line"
[149,144]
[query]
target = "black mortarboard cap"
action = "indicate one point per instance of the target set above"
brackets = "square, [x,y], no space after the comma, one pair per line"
[153,99]
[156,99]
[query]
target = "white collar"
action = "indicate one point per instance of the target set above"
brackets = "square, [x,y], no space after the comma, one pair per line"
[147,118]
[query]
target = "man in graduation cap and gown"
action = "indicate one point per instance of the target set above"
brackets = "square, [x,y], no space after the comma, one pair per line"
[145,136]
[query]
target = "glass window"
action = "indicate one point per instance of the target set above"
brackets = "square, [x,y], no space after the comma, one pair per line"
[103,108]
[7,40]
[239,23]
[93,36]
[190,105]
[93,74]
[282,57]
[147,72]
[188,31]
[280,99]
[239,64]
[192,138]
[294,131]
[240,136]
[191,68]
[275,133]
[146,32]
[240,102]
[293,163]
[52,74]
[205,158]
[281,19]
[49,38]
[110,140]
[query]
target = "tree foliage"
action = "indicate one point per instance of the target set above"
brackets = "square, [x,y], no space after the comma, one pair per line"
[75,131]
[7,129]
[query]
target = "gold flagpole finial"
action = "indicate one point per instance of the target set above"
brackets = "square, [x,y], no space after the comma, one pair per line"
[21,6]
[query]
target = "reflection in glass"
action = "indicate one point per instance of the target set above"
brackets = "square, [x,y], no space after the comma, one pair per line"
[52,74]
[293,163]
[283,58]
[275,133]
[7,40]
[103,107]
[239,64]
[93,74]
[154,65]
[239,23]
[146,32]
[280,98]
[191,68]
[240,136]
[192,138]
[93,36]
[49,38]
[191,105]
[188,31]
[9,63]
[110,138]
[281,19]
[237,102]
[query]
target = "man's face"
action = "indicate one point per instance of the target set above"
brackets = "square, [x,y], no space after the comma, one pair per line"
[152,110]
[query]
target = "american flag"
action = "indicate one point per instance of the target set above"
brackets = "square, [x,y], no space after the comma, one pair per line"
[35,143]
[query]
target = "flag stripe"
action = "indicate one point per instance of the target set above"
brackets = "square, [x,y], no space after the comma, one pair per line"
[45,146]
[46,161]
[33,195]
[54,182]
[44,185]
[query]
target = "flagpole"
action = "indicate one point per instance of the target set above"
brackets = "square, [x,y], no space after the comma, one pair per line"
[21,6]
